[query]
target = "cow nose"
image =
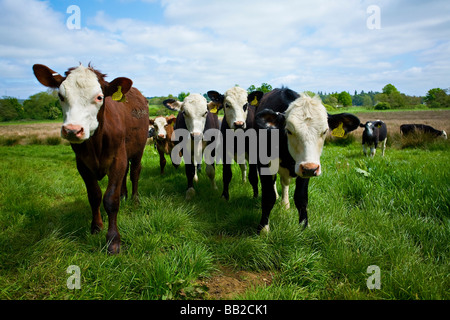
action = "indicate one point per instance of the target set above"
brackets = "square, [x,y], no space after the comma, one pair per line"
[239,125]
[72,132]
[161,136]
[309,170]
[196,135]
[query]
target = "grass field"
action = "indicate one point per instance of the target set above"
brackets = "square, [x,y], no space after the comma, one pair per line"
[391,212]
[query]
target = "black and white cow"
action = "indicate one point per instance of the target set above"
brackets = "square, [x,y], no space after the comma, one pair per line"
[303,124]
[406,129]
[375,132]
[239,109]
[194,116]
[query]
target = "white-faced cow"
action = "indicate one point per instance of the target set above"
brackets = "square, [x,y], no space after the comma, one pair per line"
[303,124]
[106,135]
[162,133]
[406,129]
[375,132]
[194,116]
[239,109]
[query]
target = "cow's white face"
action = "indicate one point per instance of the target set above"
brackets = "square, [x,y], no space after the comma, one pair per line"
[306,128]
[195,111]
[160,124]
[81,98]
[235,106]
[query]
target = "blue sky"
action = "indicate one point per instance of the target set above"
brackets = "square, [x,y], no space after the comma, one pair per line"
[170,46]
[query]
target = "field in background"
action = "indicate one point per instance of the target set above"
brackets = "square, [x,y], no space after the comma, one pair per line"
[392,212]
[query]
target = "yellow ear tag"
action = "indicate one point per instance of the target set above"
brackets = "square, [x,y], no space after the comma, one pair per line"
[339,131]
[118,95]
[254,102]
[213,110]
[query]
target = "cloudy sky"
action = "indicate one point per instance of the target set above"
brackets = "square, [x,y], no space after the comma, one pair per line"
[170,46]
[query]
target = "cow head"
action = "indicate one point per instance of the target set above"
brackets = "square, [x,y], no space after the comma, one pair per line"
[161,126]
[305,125]
[235,103]
[82,93]
[370,126]
[195,110]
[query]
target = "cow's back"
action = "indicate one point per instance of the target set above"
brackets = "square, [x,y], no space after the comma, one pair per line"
[135,120]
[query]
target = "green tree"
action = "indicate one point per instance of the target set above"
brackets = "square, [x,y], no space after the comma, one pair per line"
[41,106]
[345,98]
[265,87]
[10,109]
[390,89]
[437,98]
[182,96]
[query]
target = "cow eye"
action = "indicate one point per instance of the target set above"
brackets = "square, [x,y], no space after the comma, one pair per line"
[205,113]
[227,105]
[325,132]
[99,98]
[288,132]
[60,97]
[245,107]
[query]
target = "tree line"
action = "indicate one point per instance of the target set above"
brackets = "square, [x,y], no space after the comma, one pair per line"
[46,105]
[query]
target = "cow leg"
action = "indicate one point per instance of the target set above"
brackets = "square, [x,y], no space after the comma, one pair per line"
[124,190]
[136,167]
[285,181]
[301,199]
[253,178]
[373,149]
[268,199]
[162,161]
[227,175]
[111,202]
[94,195]
[384,146]
[211,173]
[190,173]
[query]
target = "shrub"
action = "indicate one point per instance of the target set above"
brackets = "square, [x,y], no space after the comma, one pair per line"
[383,106]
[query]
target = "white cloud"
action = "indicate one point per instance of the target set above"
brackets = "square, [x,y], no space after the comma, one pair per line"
[202,45]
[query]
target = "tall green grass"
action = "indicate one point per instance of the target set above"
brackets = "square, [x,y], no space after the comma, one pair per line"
[390,211]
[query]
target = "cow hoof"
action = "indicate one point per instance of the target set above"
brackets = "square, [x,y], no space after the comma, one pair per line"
[225,196]
[190,193]
[264,230]
[96,228]
[114,248]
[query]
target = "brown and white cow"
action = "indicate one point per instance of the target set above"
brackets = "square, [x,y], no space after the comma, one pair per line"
[163,131]
[107,136]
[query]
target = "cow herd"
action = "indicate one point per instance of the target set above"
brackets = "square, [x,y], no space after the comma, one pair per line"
[107,125]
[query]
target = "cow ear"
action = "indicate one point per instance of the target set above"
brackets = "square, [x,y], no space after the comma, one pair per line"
[362,125]
[214,107]
[47,76]
[118,88]
[172,104]
[171,119]
[349,122]
[255,97]
[269,119]
[216,97]
[151,121]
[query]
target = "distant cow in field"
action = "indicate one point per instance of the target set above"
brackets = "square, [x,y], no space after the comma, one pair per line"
[239,108]
[163,131]
[375,132]
[107,125]
[194,116]
[303,124]
[406,129]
